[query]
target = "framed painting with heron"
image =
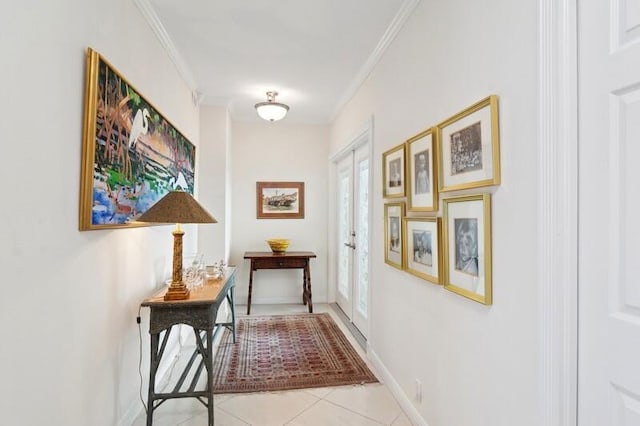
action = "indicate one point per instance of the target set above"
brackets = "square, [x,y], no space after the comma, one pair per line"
[131,154]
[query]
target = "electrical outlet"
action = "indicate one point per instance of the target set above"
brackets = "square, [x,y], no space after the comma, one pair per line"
[418,390]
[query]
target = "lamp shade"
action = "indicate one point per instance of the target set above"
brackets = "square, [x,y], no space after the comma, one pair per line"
[177,207]
[271,110]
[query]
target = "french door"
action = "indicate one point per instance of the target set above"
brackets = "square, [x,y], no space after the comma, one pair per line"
[353,181]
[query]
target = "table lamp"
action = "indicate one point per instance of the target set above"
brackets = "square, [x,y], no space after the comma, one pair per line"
[177,207]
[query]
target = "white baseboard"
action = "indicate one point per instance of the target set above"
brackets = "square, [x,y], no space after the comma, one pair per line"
[406,405]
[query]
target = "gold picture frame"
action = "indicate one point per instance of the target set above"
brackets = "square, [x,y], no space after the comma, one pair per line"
[131,154]
[393,235]
[422,187]
[422,240]
[466,236]
[393,172]
[469,147]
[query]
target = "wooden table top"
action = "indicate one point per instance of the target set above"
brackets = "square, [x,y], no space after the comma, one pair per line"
[268,254]
[207,293]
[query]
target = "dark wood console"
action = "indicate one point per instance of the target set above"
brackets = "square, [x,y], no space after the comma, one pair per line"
[286,260]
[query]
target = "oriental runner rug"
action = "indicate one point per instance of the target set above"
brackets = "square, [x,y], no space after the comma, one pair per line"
[282,352]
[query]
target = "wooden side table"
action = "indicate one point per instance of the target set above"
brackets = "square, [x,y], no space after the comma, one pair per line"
[286,260]
[198,311]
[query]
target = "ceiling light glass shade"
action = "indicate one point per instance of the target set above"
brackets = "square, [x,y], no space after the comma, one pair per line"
[271,110]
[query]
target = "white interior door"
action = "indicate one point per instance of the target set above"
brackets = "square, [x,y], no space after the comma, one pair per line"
[353,182]
[609,203]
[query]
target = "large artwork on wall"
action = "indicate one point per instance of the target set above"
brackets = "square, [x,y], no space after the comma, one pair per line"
[131,155]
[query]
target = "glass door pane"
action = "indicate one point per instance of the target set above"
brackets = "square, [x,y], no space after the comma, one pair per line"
[344,226]
[362,236]
[361,229]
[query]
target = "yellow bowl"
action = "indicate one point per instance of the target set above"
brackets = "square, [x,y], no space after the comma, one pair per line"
[278,245]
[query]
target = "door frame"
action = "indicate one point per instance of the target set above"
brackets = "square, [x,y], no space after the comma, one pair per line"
[558,211]
[362,136]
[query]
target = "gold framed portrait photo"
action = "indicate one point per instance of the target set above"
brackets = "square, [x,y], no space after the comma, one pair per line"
[422,188]
[393,235]
[467,246]
[422,239]
[393,176]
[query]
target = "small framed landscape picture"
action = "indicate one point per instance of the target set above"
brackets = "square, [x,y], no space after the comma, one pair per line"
[280,200]
[467,246]
[393,214]
[422,252]
[421,177]
[469,147]
[393,172]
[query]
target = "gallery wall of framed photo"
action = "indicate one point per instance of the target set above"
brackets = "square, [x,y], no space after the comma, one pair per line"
[456,164]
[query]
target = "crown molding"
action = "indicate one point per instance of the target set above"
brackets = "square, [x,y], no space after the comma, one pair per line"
[394,28]
[150,15]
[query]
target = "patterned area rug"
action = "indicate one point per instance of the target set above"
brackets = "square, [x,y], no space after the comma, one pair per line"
[283,352]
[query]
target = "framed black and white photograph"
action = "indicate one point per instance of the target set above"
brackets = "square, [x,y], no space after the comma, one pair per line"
[393,175]
[421,183]
[469,147]
[393,235]
[422,247]
[467,246]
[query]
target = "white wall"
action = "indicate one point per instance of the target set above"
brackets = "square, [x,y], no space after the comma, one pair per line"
[212,181]
[279,152]
[478,364]
[69,298]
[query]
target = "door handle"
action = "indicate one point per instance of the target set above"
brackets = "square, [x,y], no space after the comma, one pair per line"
[353,246]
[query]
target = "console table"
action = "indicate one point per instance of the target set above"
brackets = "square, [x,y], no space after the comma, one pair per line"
[286,260]
[198,311]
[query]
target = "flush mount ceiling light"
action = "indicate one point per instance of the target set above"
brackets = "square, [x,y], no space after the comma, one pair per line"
[271,110]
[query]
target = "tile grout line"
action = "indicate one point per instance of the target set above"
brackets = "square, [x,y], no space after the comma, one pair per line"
[356,413]
[303,411]
[233,416]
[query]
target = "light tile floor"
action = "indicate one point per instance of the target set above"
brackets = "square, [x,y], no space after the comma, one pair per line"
[362,405]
